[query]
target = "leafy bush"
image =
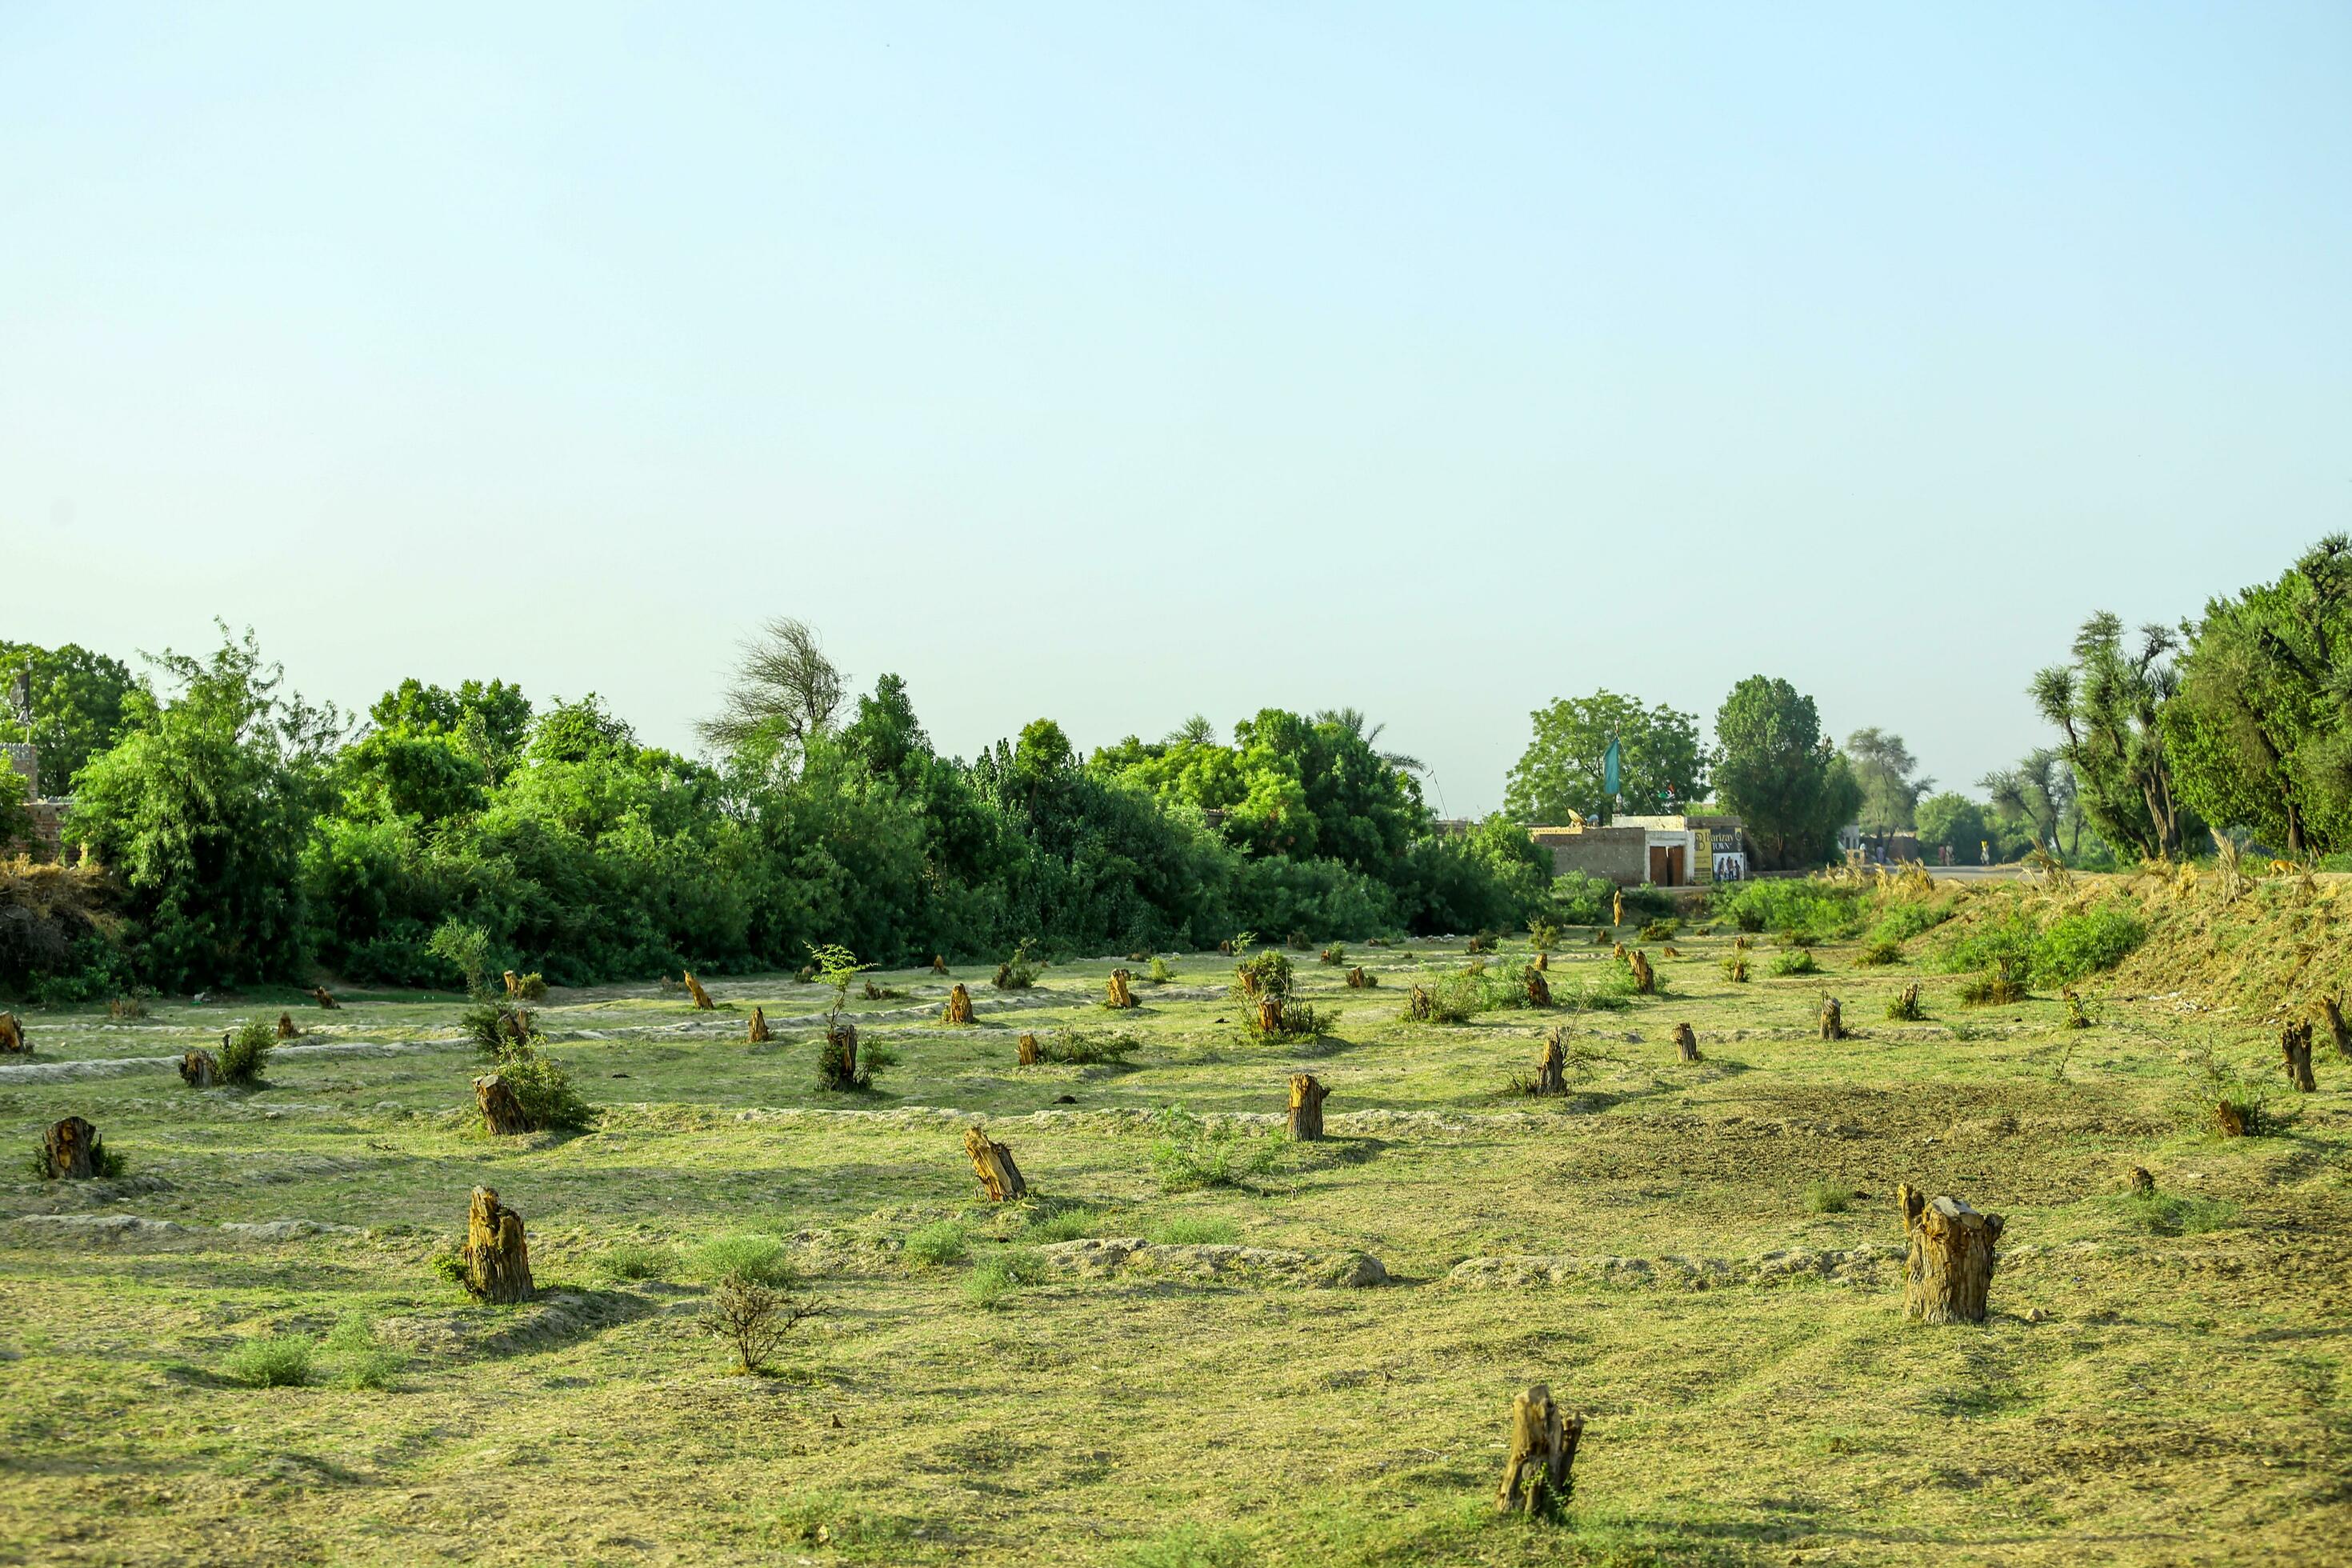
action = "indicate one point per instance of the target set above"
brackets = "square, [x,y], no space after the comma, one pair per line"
[637,1260]
[494,1023]
[543,1089]
[1265,975]
[247,1051]
[2163,1214]
[1018,972]
[1579,899]
[751,1317]
[280,1361]
[464,947]
[1901,921]
[1814,909]
[1159,973]
[757,1259]
[1828,1197]
[1081,1048]
[1191,1153]
[1661,931]
[1735,969]
[1065,1224]
[2087,943]
[938,1244]
[1796,961]
[362,1362]
[1879,952]
[998,1278]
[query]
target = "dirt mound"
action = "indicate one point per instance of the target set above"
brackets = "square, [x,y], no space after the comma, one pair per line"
[1868,1265]
[1098,1258]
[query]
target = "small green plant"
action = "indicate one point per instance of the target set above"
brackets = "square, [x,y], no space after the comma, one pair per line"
[1018,972]
[1161,974]
[938,1244]
[998,1278]
[1263,974]
[1543,935]
[1337,953]
[1193,1232]
[245,1052]
[1828,1197]
[494,1023]
[1661,931]
[1065,1224]
[752,1318]
[278,1361]
[465,948]
[1083,1048]
[1878,952]
[627,1261]
[542,1088]
[1796,961]
[132,1003]
[2078,1016]
[1190,1153]
[360,1361]
[1735,969]
[2002,982]
[1904,1006]
[760,1259]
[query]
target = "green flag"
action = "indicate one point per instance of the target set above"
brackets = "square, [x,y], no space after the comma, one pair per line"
[1612,768]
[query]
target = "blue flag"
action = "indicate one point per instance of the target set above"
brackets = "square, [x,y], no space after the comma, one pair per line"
[1612,768]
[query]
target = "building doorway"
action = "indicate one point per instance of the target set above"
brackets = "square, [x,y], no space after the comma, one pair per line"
[1667,866]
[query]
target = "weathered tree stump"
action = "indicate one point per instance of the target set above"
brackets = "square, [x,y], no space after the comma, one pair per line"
[1832,1019]
[1539,989]
[1685,1044]
[1551,1067]
[501,1112]
[12,1036]
[993,1163]
[1740,944]
[1118,994]
[1617,907]
[199,1070]
[514,986]
[1307,1097]
[1599,936]
[702,1002]
[758,1032]
[1645,979]
[287,1028]
[1537,1477]
[2331,1012]
[70,1150]
[1358,979]
[1671,951]
[1267,1018]
[841,1041]
[497,1257]
[2229,1119]
[1028,1050]
[939,963]
[2294,1044]
[325,998]
[1543,960]
[1226,947]
[1618,950]
[1329,955]
[2141,1182]
[1909,1203]
[1950,1269]
[1419,1007]
[959,1008]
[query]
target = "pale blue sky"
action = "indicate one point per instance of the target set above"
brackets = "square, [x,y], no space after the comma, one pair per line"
[1116,363]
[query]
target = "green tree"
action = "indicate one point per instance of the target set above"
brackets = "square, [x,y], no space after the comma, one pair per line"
[1886,770]
[77,699]
[1775,769]
[1559,778]
[785,687]
[2108,704]
[2031,803]
[201,810]
[2260,729]
[16,818]
[1951,819]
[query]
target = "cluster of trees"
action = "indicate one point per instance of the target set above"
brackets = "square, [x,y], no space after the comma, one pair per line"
[247,836]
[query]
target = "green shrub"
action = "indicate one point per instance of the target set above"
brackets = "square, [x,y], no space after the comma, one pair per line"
[1065,1224]
[2087,943]
[1582,899]
[1811,908]
[1191,1153]
[938,1244]
[2162,1214]
[637,1260]
[1159,973]
[494,1023]
[1902,921]
[1457,998]
[1828,1197]
[1082,1047]
[361,1362]
[756,1259]
[464,947]
[280,1361]
[543,1089]
[1735,969]
[1878,952]
[247,1051]
[1796,961]
[998,1278]
[1193,1232]
[1018,972]
[1263,975]
[1661,931]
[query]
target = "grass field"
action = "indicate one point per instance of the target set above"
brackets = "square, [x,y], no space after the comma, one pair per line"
[1703,1259]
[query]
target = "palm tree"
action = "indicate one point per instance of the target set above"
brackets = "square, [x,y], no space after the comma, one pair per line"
[1353,721]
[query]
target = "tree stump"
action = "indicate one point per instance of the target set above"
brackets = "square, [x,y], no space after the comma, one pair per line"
[840,1039]
[514,986]
[199,1070]
[1740,944]
[325,998]
[1551,1067]
[1909,1203]
[1832,1019]
[702,1002]
[1617,907]
[1329,955]
[757,1033]
[500,1110]
[1028,1050]
[1685,1044]
[1618,951]
[993,1163]
[2294,1044]
[2331,1012]
[70,1151]
[1671,951]
[1268,1019]
[939,963]
[959,1008]
[12,1036]
[1600,936]
[497,1257]
[1307,1097]
[1950,1269]
[2141,1182]
[287,1030]
[1117,994]
[1539,989]
[1418,1006]
[1645,979]
[1543,960]
[1358,979]
[1537,1477]
[2230,1118]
